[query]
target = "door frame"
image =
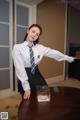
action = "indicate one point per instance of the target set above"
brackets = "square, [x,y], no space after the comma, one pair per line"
[32,19]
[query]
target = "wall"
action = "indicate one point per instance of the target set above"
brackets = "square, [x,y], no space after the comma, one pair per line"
[51,16]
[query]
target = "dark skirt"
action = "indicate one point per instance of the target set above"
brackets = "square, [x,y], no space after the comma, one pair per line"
[34,80]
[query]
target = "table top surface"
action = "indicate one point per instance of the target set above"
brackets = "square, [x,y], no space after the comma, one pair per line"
[63,105]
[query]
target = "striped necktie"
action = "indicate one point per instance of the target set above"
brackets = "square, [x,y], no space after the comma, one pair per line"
[32,61]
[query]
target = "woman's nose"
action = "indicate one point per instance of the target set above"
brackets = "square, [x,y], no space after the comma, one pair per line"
[34,35]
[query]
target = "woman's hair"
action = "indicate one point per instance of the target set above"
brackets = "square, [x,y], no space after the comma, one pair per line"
[34,25]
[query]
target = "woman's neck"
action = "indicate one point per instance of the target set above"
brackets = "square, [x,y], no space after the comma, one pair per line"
[29,42]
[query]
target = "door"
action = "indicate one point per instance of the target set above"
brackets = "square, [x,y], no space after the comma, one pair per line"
[5,48]
[73,41]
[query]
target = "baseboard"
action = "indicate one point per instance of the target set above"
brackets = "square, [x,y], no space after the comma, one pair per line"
[54,79]
[6,93]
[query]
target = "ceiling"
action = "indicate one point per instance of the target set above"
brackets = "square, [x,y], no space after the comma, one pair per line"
[31,2]
[36,2]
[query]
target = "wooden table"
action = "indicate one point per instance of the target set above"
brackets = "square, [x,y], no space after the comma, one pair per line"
[64,105]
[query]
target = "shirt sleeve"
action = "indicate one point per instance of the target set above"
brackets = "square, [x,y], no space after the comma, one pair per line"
[19,68]
[55,54]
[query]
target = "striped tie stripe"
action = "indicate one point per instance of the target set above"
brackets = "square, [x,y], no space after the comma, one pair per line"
[32,61]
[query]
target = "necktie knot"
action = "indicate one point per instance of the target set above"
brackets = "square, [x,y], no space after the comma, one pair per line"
[30,46]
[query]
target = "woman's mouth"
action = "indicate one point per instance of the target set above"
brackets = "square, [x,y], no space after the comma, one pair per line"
[33,38]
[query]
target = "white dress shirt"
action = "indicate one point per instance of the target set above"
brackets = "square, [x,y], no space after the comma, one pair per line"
[21,59]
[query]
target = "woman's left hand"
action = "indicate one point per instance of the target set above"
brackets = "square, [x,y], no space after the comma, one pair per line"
[26,94]
[71,59]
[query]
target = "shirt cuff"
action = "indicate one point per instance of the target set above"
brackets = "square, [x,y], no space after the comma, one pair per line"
[25,85]
[69,59]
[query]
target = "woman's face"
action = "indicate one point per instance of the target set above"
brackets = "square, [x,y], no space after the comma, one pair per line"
[33,34]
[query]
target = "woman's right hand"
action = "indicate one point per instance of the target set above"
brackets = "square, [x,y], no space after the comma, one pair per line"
[26,95]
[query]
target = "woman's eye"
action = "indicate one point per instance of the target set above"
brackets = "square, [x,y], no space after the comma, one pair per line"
[37,35]
[33,31]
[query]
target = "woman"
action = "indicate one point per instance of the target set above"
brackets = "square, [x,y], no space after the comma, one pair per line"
[21,56]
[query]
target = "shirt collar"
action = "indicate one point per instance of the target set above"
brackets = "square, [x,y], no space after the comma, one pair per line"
[27,44]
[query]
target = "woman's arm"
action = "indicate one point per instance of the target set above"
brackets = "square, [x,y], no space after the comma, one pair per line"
[19,68]
[55,54]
